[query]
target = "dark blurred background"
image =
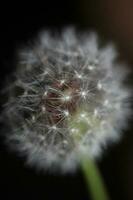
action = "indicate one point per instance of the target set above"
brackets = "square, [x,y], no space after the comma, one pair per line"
[19,23]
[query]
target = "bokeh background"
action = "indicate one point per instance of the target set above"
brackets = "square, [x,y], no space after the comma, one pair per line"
[19,23]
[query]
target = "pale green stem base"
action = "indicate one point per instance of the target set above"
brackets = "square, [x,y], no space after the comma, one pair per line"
[93,180]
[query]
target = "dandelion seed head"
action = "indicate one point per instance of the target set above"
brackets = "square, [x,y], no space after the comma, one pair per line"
[69,101]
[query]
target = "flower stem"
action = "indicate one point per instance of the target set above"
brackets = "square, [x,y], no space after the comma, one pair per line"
[93,180]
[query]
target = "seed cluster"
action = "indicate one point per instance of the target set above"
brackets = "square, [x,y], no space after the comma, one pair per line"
[66,101]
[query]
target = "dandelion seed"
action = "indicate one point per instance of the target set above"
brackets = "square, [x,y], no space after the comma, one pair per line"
[95,112]
[45,93]
[106,102]
[66,113]
[33,118]
[66,98]
[99,86]
[83,94]
[91,67]
[43,109]
[62,82]
[82,115]
[54,128]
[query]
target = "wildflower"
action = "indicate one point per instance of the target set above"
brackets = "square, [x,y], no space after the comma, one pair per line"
[67,100]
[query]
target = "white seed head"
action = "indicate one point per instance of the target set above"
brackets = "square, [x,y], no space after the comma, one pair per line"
[69,102]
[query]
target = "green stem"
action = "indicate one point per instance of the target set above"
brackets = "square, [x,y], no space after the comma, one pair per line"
[94,180]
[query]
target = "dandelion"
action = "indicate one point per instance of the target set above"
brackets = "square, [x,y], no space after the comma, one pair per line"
[67,100]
